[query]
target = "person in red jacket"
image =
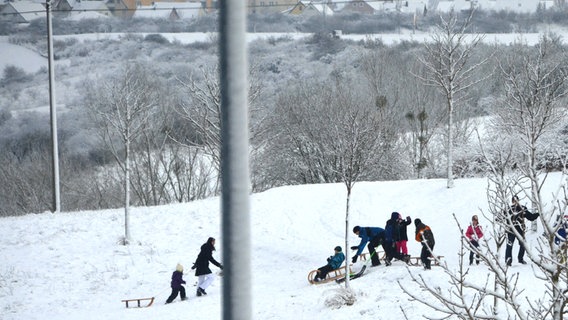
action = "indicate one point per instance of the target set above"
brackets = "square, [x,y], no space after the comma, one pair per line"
[473,234]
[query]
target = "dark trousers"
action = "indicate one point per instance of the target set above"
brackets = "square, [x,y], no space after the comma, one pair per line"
[509,250]
[390,251]
[425,254]
[474,244]
[375,242]
[323,271]
[175,291]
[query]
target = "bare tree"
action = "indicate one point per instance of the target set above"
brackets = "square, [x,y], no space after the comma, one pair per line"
[535,92]
[332,134]
[424,118]
[499,295]
[447,58]
[203,110]
[122,109]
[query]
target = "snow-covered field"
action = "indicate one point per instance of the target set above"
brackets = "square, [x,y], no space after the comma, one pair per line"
[31,62]
[69,265]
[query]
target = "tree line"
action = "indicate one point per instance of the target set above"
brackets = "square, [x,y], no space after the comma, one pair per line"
[296,111]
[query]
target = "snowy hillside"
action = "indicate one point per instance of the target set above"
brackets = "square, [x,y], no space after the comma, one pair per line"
[69,265]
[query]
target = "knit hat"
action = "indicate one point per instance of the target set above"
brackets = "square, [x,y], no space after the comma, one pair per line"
[179,268]
[338,249]
[356,229]
[417,222]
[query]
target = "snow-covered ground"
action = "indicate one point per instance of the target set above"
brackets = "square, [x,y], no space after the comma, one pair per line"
[69,265]
[31,62]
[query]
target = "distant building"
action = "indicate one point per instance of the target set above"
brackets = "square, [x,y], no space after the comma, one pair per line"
[85,8]
[269,6]
[311,8]
[22,11]
[170,10]
[126,8]
[364,6]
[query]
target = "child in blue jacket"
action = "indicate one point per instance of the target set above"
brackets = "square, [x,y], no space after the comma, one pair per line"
[333,262]
[177,284]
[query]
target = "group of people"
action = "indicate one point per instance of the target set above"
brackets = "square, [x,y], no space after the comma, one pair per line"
[202,271]
[393,239]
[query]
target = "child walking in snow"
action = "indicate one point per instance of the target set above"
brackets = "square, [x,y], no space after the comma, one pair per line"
[177,285]
[473,234]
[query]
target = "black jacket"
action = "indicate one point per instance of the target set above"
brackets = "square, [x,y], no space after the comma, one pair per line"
[517,215]
[202,261]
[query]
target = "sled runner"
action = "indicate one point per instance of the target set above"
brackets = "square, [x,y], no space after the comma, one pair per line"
[415,261]
[138,301]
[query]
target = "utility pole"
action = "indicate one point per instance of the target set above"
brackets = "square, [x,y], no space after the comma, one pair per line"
[235,180]
[56,205]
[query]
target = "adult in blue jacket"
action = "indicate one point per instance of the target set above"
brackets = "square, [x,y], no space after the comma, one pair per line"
[333,262]
[375,236]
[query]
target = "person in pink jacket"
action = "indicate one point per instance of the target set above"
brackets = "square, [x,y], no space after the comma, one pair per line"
[473,234]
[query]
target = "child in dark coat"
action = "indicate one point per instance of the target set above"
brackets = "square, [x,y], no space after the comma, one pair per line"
[425,236]
[403,235]
[177,285]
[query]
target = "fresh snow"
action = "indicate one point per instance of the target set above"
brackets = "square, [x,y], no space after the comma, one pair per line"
[70,266]
[31,62]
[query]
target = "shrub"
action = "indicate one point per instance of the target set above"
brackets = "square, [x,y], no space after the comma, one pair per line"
[157,38]
[13,74]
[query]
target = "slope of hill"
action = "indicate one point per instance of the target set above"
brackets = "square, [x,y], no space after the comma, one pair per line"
[19,56]
[69,265]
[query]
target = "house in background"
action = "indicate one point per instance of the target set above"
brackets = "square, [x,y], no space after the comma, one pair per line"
[22,11]
[126,8]
[269,6]
[364,6]
[310,8]
[170,11]
[81,8]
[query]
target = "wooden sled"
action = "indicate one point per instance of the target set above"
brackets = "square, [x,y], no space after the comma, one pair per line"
[332,275]
[338,273]
[139,305]
[415,261]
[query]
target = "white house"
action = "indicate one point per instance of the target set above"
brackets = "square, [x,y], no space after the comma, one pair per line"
[170,10]
[89,9]
[22,11]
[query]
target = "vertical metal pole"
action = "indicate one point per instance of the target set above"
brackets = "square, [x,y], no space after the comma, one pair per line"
[235,182]
[52,113]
